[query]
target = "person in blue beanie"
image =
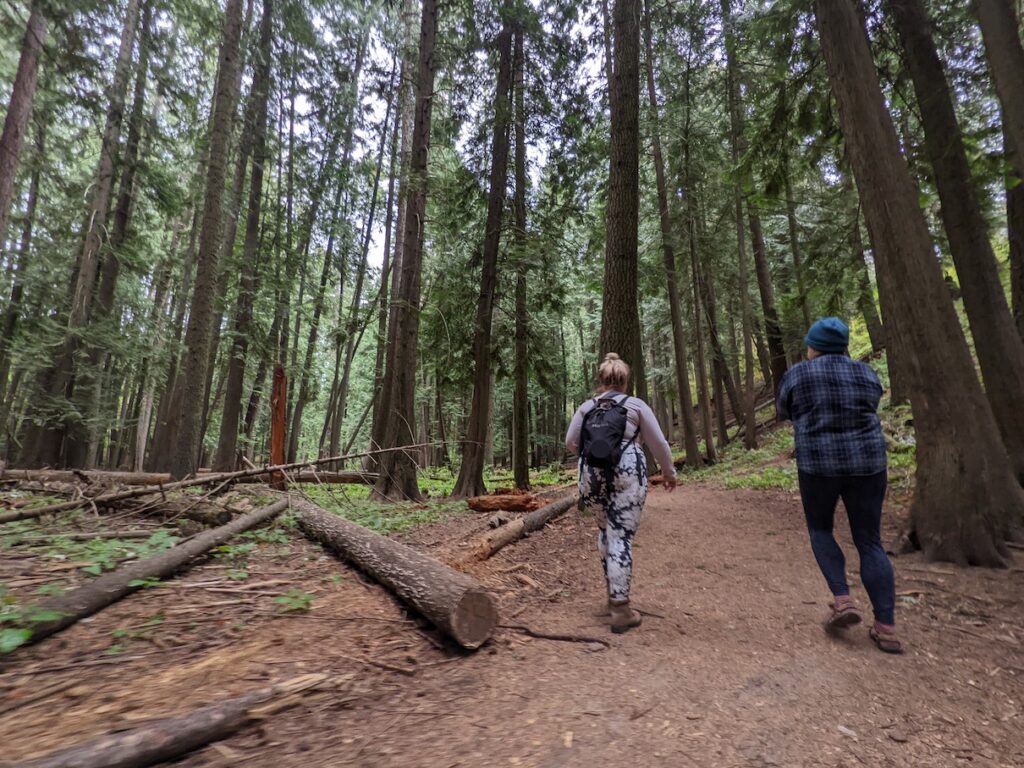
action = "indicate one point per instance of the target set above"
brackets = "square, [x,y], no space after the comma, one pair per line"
[832,401]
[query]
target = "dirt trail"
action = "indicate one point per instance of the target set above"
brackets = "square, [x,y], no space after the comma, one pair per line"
[737,672]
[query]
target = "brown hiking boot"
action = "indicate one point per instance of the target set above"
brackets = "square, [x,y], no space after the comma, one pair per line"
[604,611]
[624,618]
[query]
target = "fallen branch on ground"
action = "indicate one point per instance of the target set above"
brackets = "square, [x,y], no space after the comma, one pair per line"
[555,636]
[84,476]
[203,479]
[504,535]
[350,477]
[134,534]
[173,737]
[107,589]
[506,502]
[454,602]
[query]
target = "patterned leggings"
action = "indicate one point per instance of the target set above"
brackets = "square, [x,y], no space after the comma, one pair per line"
[617,499]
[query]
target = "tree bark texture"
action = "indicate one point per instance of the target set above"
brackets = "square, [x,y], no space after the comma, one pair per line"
[470,481]
[197,335]
[452,601]
[967,500]
[19,109]
[620,318]
[999,347]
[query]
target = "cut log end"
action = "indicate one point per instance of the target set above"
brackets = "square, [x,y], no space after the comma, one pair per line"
[473,618]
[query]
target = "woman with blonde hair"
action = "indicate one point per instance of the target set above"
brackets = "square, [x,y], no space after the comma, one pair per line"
[608,431]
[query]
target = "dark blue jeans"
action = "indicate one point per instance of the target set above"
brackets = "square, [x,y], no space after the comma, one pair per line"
[862,497]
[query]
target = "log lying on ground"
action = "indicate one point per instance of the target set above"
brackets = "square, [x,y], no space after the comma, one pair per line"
[172,737]
[204,479]
[191,508]
[111,587]
[454,602]
[351,477]
[84,476]
[507,502]
[501,537]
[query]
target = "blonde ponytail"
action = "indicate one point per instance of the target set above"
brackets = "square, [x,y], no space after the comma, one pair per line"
[613,373]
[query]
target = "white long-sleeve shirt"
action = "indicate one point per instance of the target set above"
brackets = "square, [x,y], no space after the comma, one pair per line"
[640,423]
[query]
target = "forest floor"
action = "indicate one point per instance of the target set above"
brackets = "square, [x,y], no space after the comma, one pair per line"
[730,668]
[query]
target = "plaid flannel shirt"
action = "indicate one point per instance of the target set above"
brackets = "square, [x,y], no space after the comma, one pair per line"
[832,402]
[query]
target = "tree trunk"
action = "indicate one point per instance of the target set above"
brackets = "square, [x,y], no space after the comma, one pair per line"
[352,337]
[772,327]
[999,348]
[406,99]
[19,109]
[470,481]
[197,336]
[169,738]
[967,500]
[452,601]
[387,268]
[278,423]
[227,443]
[865,294]
[83,440]
[12,312]
[1005,54]
[398,470]
[1015,234]
[687,422]
[521,366]
[794,245]
[49,427]
[107,589]
[735,138]
[620,318]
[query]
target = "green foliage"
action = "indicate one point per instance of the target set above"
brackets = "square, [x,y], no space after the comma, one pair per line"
[295,601]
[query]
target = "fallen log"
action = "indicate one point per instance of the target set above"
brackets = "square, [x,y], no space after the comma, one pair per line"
[83,476]
[504,535]
[454,602]
[63,611]
[506,502]
[203,479]
[195,508]
[327,478]
[172,737]
[49,538]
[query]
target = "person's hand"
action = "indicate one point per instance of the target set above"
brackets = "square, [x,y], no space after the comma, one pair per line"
[670,484]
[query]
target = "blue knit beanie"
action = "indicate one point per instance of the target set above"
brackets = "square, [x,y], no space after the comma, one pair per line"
[829,336]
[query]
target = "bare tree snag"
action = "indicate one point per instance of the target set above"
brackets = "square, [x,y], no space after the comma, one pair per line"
[172,737]
[501,537]
[111,587]
[454,602]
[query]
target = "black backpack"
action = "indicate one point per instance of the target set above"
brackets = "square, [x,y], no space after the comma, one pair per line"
[602,432]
